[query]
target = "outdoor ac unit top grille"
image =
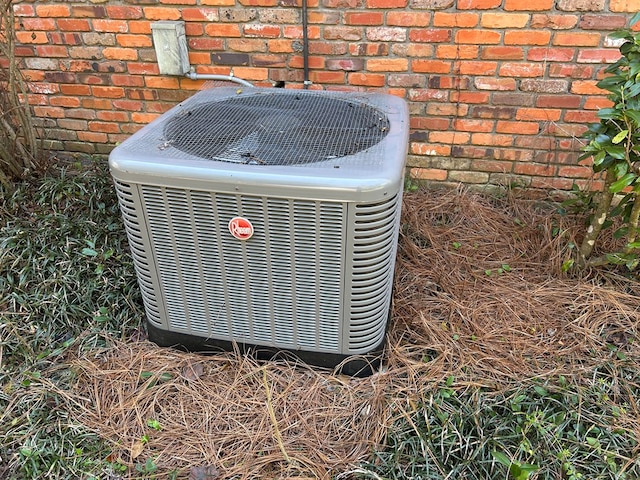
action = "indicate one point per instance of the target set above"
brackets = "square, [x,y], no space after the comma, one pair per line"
[283,128]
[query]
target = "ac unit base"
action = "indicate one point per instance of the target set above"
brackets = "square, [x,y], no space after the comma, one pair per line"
[357,366]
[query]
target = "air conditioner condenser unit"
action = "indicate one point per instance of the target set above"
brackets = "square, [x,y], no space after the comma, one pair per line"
[267,218]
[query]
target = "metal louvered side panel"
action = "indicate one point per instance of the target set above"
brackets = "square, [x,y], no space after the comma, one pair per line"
[141,256]
[375,240]
[281,288]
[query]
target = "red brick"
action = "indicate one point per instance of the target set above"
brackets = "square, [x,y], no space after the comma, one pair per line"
[161,13]
[472,125]
[476,68]
[297,61]
[140,27]
[219,3]
[428,174]
[603,22]
[342,33]
[427,94]
[457,82]
[470,97]
[430,123]
[581,116]
[134,41]
[259,3]
[502,53]
[223,30]
[387,64]
[130,105]
[600,55]
[252,74]
[429,149]
[114,53]
[296,32]
[596,103]
[262,31]
[140,117]
[509,69]
[127,80]
[79,90]
[491,139]
[518,128]
[49,112]
[458,20]
[478,4]
[55,11]
[575,172]
[105,127]
[386,3]
[363,18]
[527,37]
[538,5]
[430,66]
[386,34]
[46,24]
[162,82]
[106,25]
[630,6]
[571,71]
[321,77]
[92,137]
[52,51]
[200,14]
[492,112]
[141,68]
[178,2]
[108,92]
[66,102]
[587,87]
[504,20]
[32,37]
[89,11]
[576,39]
[96,104]
[558,101]
[73,25]
[429,35]
[450,138]
[539,114]
[366,79]
[550,54]
[554,22]
[457,52]
[122,12]
[480,37]
[539,170]
[23,10]
[408,19]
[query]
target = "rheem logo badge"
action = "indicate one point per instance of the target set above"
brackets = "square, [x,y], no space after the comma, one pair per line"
[240,228]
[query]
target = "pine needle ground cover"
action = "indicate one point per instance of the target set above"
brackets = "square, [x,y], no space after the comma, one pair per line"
[498,365]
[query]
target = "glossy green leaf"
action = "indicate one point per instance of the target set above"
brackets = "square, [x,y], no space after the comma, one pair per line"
[623,182]
[620,136]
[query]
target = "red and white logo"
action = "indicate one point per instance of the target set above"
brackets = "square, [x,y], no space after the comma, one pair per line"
[240,228]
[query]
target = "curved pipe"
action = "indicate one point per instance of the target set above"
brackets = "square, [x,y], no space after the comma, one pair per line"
[212,76]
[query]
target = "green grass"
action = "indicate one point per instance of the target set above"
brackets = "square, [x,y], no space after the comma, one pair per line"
[66,281]
[555,430]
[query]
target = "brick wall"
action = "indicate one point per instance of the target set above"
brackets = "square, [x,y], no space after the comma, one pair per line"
[499,90]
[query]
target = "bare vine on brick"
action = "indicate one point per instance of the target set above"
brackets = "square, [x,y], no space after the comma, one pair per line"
[20,147]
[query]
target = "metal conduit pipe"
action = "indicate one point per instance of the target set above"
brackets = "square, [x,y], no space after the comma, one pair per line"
[305,45]
[212,76]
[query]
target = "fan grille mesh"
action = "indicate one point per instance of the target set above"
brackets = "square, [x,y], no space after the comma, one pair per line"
[280,128]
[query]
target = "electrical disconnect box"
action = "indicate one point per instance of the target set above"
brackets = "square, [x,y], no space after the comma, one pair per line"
[170,43]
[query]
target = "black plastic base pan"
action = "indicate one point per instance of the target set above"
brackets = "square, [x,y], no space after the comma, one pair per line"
[357,366]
